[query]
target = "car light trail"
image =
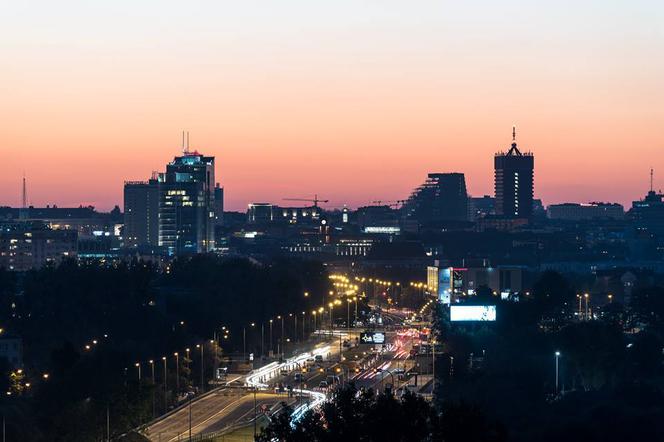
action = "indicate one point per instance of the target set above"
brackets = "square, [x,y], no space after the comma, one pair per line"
[258,378]
[317,398]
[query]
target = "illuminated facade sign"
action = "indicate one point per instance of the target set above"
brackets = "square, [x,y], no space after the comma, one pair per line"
[445,285]
[432,279]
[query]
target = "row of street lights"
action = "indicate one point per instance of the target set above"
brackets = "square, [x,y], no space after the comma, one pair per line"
[176,355]
[316,315]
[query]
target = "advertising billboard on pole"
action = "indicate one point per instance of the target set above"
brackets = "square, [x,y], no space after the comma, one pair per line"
[472,313]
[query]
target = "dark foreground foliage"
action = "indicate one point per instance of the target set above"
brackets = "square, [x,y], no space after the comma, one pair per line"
[364,416]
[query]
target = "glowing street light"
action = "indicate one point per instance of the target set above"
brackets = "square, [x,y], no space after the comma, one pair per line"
[138,365]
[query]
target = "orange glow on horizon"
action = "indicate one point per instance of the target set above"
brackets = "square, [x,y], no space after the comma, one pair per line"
[353,101]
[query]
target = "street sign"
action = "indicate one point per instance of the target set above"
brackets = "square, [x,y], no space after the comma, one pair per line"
[372,338]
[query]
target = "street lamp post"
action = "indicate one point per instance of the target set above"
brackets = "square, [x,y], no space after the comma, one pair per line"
[213,345]
[202,366]
[271,340]
[187,351]
[244,343]
[355,299]
[586,296]
[304,323]
[557,354]
[163,358]
[262,339]
[252,337]
[313,317]
[282,335]
[290,315]
[138,366]
[153,385]
[177,373]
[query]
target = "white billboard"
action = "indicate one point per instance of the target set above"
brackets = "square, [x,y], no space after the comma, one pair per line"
[472,313]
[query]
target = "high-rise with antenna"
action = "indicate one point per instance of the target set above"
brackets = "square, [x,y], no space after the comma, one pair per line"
[187,203]
[647,214]
[176,210]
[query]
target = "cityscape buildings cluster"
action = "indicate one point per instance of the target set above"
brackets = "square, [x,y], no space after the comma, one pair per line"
[181,212]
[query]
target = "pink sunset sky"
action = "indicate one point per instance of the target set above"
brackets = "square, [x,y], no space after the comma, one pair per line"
[353,100]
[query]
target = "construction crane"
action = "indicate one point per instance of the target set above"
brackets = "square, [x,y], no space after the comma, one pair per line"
[315,200]
[389,203]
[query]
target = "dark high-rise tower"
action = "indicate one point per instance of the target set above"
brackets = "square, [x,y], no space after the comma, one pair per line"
[141,213]
[514,172]
[442,198]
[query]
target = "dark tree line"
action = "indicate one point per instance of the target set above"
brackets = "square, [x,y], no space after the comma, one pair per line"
[353,415]
[86,325]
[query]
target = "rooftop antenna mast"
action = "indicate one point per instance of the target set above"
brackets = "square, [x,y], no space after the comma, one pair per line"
[185,142]
[513,150]
[651,180]
[24,195]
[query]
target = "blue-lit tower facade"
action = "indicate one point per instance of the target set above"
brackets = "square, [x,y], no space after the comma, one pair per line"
[187,208]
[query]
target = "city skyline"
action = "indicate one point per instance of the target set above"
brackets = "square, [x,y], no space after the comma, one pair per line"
[353,220]
[378,95]
[342,200]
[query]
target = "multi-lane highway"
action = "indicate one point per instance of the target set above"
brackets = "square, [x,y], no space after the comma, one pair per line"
[217,410]
[228,406]
[309,377]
